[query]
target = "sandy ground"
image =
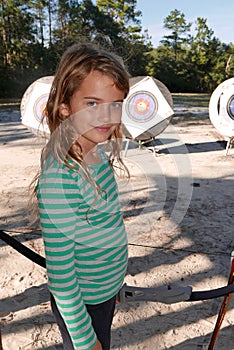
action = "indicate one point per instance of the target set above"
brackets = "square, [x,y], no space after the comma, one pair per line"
[178,208]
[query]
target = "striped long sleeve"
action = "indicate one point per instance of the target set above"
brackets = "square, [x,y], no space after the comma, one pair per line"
[85,243]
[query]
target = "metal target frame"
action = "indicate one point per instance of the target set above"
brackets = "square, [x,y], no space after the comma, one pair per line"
[220,110]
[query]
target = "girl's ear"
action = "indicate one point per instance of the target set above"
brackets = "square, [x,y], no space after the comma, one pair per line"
[64,110]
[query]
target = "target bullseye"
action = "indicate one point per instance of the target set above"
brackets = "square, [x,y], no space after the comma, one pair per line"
[230,107]
[39,108]
[141,106]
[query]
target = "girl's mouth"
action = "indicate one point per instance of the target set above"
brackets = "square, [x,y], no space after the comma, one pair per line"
[102,128]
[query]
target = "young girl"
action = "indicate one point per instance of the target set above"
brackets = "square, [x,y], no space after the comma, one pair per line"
[82,226]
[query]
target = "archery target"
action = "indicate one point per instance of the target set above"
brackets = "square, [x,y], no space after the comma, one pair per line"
[146,110]
[33,105]
[221,108]
[142,106]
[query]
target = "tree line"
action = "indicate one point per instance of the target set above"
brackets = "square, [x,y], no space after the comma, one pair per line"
[35,33]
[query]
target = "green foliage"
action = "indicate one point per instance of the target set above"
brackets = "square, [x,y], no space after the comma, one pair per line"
[188,63]
[35,33]
[178,38]
[129,41]
[123,12]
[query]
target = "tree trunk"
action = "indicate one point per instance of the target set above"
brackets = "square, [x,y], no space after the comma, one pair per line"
[227,68]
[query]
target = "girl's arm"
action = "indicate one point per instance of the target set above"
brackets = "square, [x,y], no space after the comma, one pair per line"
[58,223]
[97,346]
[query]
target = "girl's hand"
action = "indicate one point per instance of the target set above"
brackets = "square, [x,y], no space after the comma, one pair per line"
[97,346]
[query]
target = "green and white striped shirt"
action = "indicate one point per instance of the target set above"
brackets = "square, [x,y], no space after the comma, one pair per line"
[85,242]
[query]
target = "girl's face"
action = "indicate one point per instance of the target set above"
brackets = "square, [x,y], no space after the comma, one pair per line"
[95,110]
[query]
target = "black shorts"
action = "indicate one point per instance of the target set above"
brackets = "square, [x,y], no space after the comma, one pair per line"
[101,315]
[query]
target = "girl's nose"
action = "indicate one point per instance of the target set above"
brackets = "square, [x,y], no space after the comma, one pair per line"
[110,112]
[104,114]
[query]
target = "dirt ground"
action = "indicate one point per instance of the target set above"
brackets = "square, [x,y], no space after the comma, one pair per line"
[179,212]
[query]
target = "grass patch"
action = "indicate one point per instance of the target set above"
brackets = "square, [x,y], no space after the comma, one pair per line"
[190,107]
[191,100]
[9,102]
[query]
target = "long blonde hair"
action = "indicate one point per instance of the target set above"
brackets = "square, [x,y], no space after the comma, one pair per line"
[76,63]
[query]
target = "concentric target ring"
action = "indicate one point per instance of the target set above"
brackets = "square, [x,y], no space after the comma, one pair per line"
[142,106]
[39,107]
[230,107]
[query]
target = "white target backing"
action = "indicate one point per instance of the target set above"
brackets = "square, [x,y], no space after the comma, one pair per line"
[33,104]
[146,111]
[221,108]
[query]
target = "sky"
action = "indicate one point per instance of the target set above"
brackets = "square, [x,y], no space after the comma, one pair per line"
[219,15]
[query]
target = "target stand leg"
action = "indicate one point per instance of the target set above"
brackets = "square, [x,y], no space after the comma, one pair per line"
[229,144]
[152,148]
[141,144]
[125,151]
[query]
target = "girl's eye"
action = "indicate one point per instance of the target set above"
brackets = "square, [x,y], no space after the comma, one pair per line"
[92,104]
[117,104]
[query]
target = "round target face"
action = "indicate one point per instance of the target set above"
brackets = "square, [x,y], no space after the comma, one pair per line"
[39,107]
[230,107]
[141,106]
